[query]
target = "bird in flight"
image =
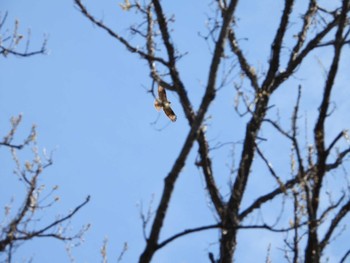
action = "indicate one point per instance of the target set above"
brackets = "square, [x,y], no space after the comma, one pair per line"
[162,102]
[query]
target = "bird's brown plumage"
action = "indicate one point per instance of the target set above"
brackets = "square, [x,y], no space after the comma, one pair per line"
[162,102]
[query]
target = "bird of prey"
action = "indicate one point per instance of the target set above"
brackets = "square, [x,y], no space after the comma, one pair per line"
[162,102]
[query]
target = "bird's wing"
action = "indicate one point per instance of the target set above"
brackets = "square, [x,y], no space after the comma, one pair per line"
[170,113]
[162,93]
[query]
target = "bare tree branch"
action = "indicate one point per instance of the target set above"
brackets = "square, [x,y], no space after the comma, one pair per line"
[10,44]
[277,45]
[344,210]
[186,232]
[307,19]
[174,173]
[116,36]
[313,250]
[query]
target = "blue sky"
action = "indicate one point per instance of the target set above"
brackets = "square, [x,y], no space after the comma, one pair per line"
[88,98]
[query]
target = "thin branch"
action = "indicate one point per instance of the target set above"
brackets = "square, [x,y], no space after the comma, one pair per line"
[14,40]
[11,237]
[344,210]
[125,248]
[335,140]
[270,168]
[3,20]
[131,48]
[6,51]
[279,128]
[307,19]
[332,43]
[187,232]
[330,208]
[272,229]
[269,196]
[245,66]
[63,219]
[215,226]
[294,133]
[338,161]
[311,45]
[16,146]
[205,163]
[296,228]
[345,256]
[277,45]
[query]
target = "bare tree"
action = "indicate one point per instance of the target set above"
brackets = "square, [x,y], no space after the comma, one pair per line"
[20,224]
[312,161]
